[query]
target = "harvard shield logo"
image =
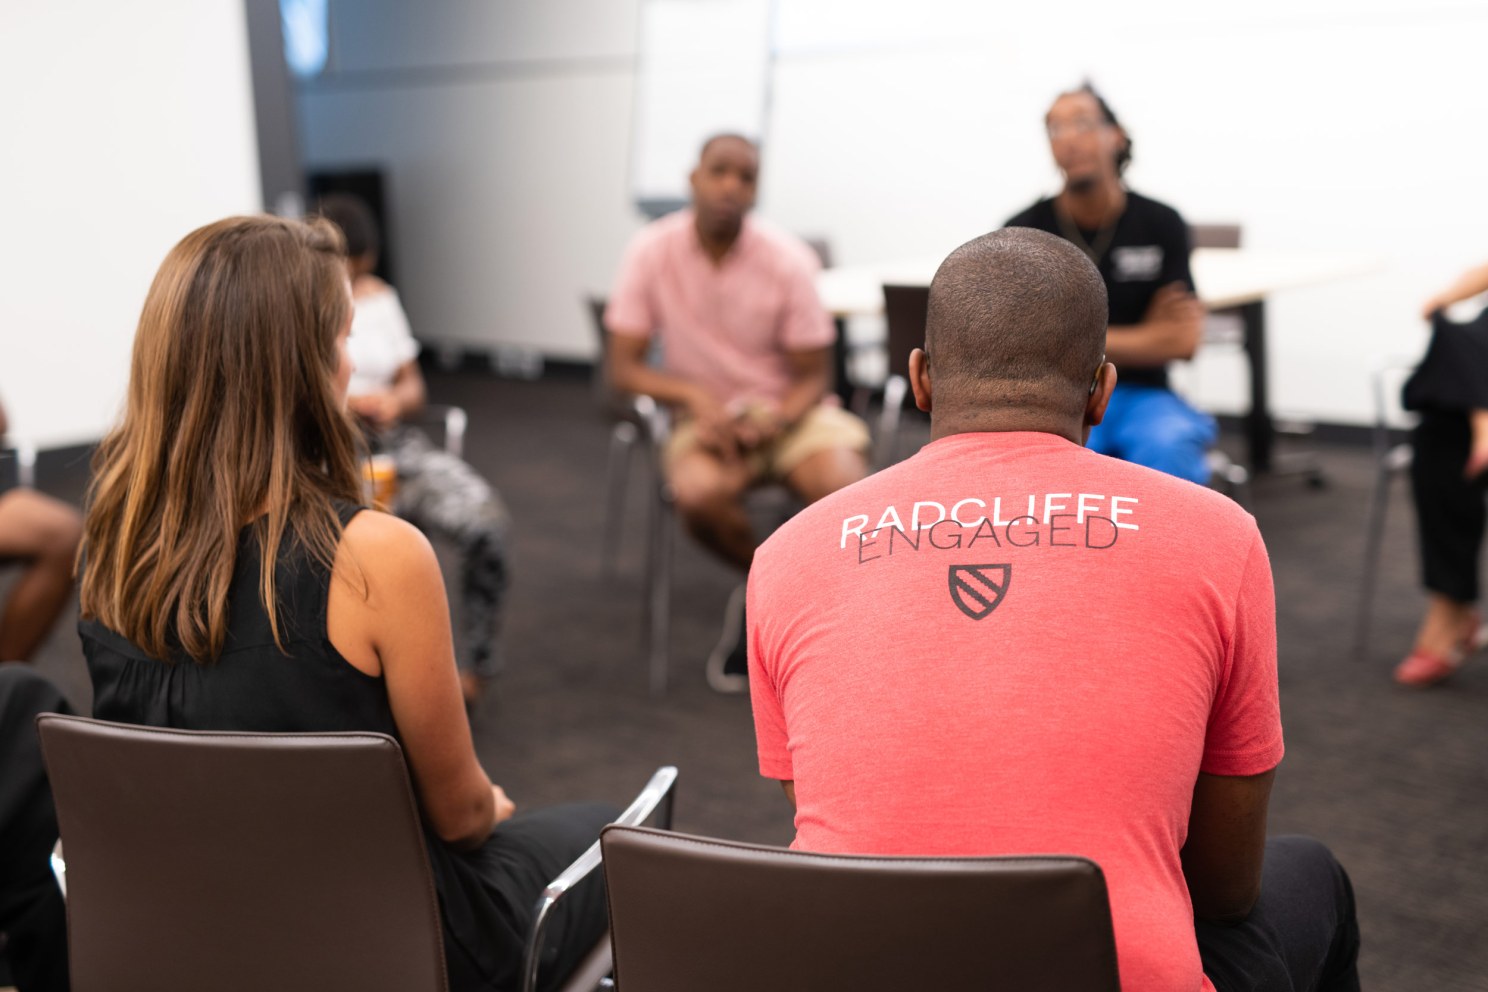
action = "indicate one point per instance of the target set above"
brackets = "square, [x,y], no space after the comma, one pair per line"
[977,589]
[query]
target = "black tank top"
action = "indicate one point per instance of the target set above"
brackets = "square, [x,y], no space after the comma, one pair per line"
[253,686]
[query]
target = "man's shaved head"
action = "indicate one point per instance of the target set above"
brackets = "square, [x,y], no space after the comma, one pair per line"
[1017,319]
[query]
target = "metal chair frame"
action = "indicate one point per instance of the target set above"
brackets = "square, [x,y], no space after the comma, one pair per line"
[24,453]
[452,419]
[1392,457]
[638,425]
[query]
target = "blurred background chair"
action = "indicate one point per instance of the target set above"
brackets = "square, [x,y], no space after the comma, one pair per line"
[1223,328]
[689,913]
[906,309]
[448,423]
[201,860]
[842,349]
[1226,328]
[639,427]
[1392,458]
[17,462]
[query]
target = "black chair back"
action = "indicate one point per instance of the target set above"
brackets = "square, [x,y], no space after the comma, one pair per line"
[905,310]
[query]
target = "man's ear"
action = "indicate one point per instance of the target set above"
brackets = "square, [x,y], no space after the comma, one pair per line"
[1095,406]
[919,378]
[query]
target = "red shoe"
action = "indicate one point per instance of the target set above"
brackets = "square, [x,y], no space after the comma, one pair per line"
[1423,668]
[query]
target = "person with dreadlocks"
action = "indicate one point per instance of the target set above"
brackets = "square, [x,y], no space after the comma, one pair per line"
[1140,247]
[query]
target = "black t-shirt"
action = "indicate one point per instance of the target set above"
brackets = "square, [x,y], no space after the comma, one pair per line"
[1148,250]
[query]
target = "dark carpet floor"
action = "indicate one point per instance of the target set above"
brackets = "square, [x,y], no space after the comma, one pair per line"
[1394,780]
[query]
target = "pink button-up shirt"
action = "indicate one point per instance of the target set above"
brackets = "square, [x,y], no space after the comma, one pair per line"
[728,327]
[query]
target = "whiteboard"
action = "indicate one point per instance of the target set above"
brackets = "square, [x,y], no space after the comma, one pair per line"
[126,126]
[704,68]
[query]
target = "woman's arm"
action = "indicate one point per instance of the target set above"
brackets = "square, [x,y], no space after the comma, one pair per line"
[400,629]
[403,398]
[1469,284]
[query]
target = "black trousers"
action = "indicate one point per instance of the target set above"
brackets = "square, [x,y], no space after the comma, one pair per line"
[32,914]
[1450,511]
[1303,934]
[488,896]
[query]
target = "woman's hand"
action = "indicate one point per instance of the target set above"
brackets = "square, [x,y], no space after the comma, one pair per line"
[381,410]
[1469,284]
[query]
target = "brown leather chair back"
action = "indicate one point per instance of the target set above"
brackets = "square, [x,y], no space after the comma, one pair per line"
[1214,236]
[906,309]
[689,913]
[235,861]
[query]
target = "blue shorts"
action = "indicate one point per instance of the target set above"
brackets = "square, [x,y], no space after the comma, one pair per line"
[1152,426]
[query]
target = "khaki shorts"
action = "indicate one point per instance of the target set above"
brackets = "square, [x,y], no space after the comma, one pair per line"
[824,428]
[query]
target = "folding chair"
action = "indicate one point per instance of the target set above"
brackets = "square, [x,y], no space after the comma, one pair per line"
[906,310]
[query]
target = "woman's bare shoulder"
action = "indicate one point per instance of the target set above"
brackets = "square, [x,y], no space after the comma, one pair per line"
[383,545]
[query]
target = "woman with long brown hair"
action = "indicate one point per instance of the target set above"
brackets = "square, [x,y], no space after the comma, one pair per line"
[231,581]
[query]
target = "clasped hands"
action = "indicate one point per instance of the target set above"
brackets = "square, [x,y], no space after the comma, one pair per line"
[1178,316]
[735,429]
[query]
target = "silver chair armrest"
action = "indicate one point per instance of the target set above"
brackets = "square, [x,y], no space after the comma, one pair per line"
[1385,379]
[454,420]
[59,868]
[654,418]
[656,795]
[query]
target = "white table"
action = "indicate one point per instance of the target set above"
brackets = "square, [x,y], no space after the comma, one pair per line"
[1234,279]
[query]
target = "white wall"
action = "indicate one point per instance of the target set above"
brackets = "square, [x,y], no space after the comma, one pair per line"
[124,126]
[902,129]
[504,130]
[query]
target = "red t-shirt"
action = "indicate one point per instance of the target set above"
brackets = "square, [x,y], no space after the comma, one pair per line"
[1009,644]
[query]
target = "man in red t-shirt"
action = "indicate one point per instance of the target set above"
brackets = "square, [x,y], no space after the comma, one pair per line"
[1011,644]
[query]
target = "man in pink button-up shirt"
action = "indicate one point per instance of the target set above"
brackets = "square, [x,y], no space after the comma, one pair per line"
[746,364]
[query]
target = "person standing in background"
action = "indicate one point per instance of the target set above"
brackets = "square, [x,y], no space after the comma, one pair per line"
[1449,389]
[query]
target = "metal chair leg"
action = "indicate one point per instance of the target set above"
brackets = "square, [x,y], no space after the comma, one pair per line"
[24,453]
[1373,539]
[617,478]
[1231,479]
[659,588]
